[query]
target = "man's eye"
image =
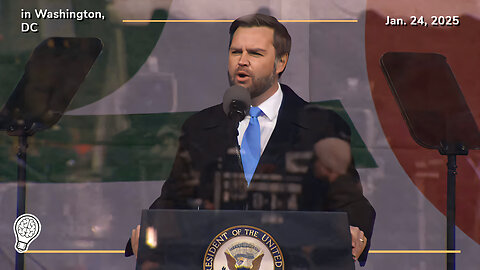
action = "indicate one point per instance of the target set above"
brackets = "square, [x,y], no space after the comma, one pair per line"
[256,54]
[236,52]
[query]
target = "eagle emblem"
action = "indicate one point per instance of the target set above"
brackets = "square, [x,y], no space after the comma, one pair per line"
[243,247]
[244,256]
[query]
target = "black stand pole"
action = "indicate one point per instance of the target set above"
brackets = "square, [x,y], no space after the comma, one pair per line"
[452,171]
[451,151]
[21,190]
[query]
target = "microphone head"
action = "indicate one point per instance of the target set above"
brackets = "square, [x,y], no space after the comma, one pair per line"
[236,102]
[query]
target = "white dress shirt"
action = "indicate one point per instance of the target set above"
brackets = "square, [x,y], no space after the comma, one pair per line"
[267,120]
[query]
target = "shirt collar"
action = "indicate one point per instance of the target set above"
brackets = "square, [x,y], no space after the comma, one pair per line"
[271,106]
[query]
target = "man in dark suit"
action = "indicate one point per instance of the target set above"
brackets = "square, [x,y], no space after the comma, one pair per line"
[287,155]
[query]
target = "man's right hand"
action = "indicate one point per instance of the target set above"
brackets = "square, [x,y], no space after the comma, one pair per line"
[134,240]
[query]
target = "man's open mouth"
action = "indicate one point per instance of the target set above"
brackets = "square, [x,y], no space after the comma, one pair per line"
[242,74]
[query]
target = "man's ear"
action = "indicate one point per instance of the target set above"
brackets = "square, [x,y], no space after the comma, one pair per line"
[281,63]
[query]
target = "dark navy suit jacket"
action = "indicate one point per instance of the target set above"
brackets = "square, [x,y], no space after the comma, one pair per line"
[208,145]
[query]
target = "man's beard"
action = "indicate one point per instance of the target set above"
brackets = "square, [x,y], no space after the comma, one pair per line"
[259,85]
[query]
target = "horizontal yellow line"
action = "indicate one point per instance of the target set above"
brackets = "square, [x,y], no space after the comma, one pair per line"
[414,251]
[320,21]
[76,251]
[229,21]
[122,251]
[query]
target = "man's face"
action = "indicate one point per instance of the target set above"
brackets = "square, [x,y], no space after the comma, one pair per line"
[251,60]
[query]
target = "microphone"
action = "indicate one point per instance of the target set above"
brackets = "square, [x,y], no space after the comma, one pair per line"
[236,103]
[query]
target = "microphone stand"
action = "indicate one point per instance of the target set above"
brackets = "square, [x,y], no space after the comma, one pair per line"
[238,111]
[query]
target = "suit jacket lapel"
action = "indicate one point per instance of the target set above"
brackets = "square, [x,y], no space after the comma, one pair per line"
[284,134]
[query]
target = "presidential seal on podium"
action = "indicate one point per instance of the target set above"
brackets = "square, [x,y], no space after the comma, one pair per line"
[243,247]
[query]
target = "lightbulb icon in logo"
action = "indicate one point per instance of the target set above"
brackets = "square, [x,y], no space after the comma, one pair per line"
[27,227]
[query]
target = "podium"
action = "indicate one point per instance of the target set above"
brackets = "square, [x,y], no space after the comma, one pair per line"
[236,239]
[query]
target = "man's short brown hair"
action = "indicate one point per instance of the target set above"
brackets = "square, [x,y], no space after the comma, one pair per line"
[282,42]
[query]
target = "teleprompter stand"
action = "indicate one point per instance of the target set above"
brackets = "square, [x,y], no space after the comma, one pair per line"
[52,76]
[436,113]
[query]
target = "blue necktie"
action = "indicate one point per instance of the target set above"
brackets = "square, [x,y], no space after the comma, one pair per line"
[250,149]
